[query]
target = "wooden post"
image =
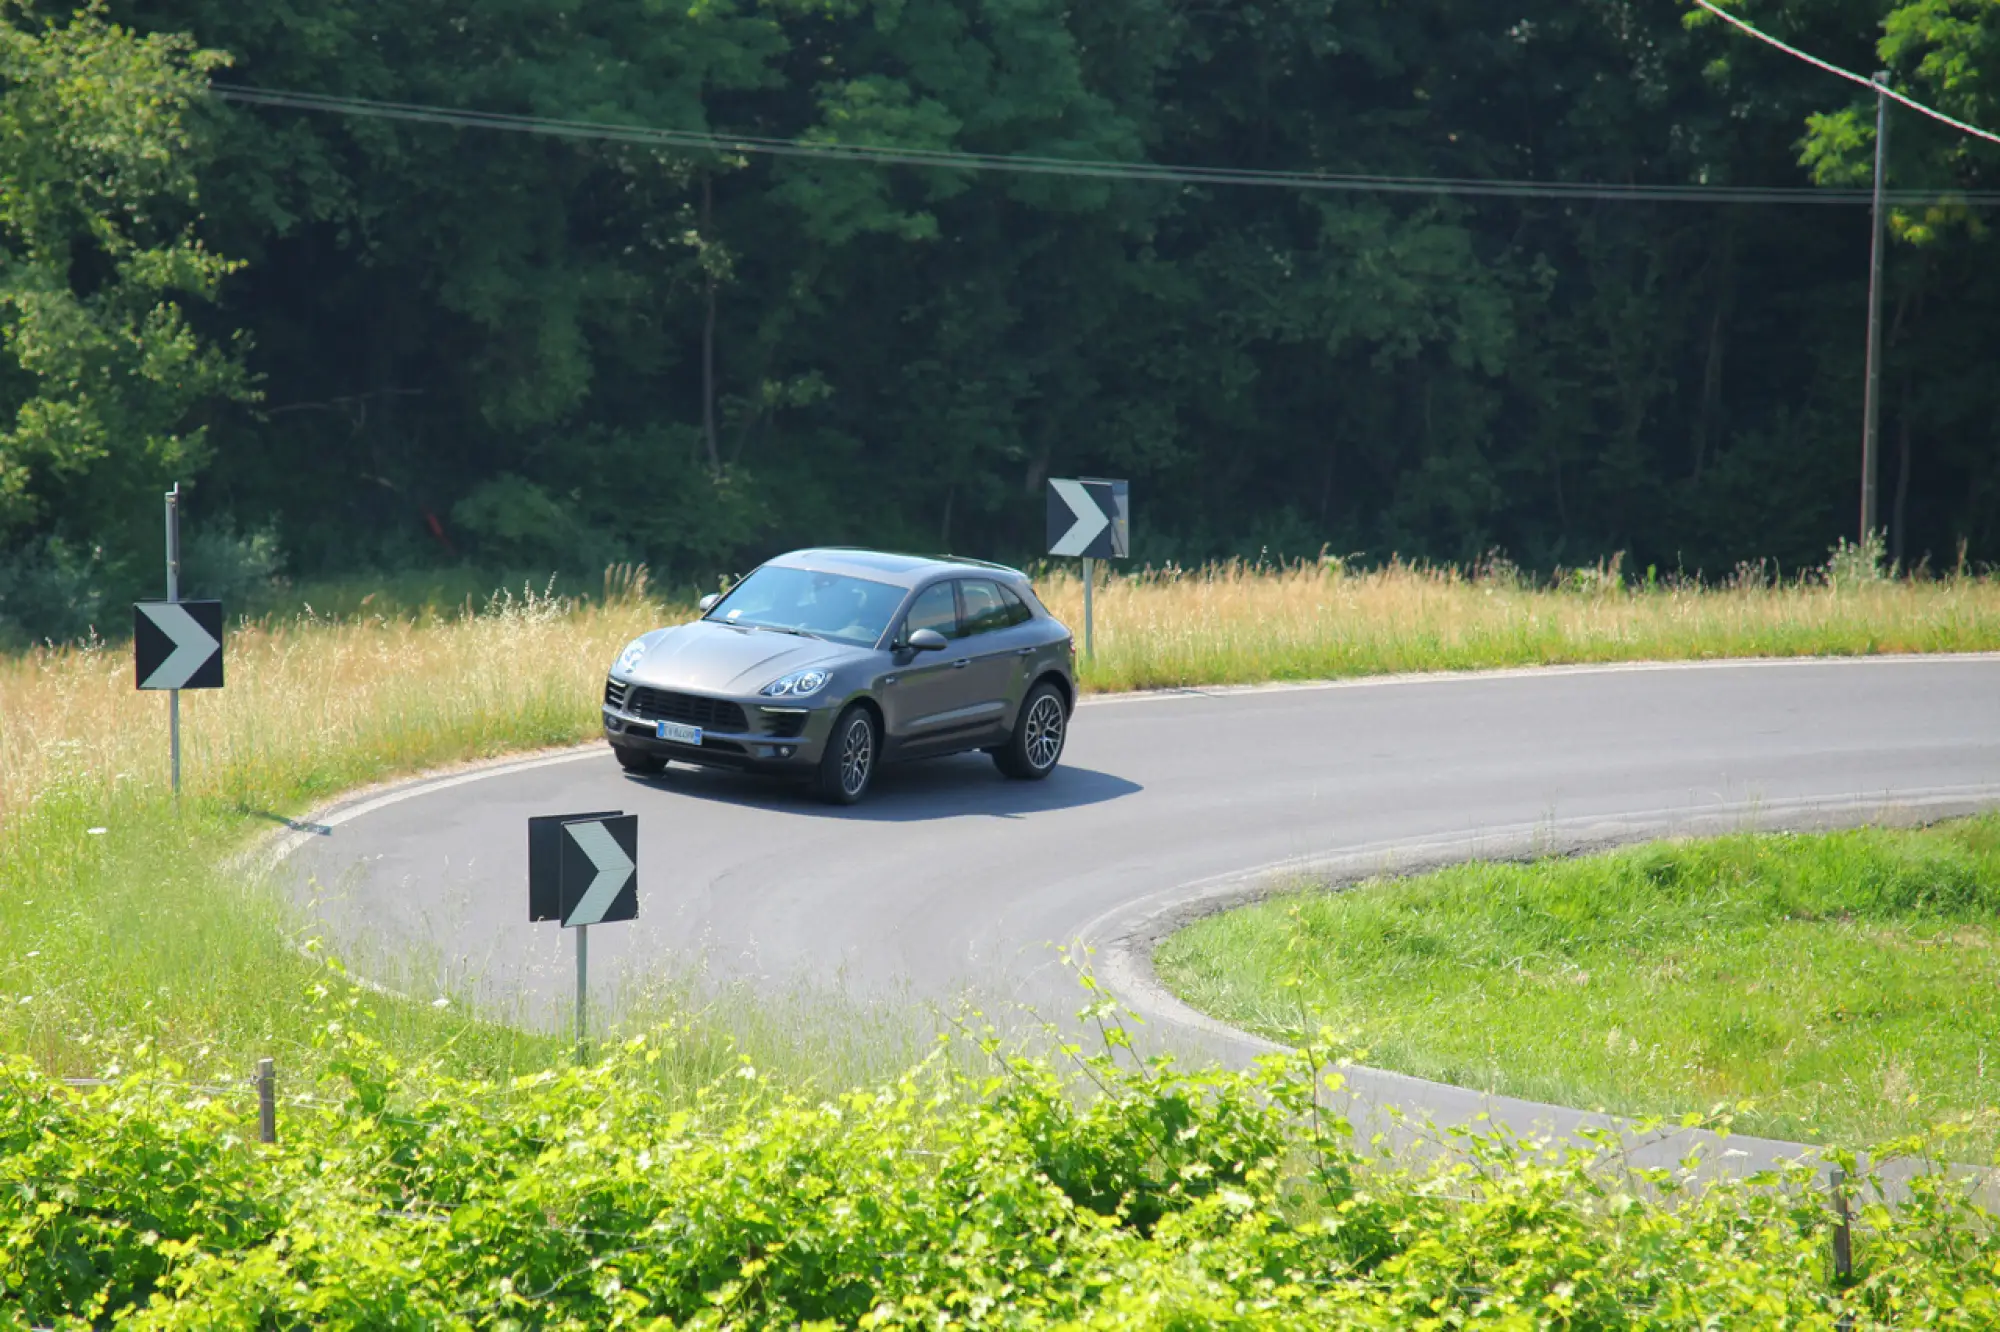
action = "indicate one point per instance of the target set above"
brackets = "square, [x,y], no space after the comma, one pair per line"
[267,1101]
[1843,1243]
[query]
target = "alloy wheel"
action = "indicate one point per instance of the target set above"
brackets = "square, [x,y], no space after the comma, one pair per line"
[1045,731]
[857,754]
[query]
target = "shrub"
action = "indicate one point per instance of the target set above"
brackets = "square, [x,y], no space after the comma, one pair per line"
[581,1198]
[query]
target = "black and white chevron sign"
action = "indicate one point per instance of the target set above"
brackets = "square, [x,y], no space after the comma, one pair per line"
[177,644]
[1089,517]
[583,869]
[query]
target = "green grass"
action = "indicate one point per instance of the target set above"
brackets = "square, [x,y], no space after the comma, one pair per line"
[129,940]
[1845,985]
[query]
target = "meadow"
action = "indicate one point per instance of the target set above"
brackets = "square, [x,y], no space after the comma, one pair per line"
[738,1160]
[1831,987]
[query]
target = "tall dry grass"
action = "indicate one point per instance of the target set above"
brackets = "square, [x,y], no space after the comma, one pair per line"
[313,706]
[120,931]
[1237,623]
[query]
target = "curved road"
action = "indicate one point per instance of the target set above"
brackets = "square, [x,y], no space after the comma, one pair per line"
[951,878]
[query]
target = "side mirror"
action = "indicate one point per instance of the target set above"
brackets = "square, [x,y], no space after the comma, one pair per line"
[926,640]
[707,603]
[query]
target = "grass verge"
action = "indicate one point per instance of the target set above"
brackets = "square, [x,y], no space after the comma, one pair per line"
[126,936]
[1838,987]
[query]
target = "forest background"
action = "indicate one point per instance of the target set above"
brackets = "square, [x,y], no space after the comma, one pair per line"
[378,344]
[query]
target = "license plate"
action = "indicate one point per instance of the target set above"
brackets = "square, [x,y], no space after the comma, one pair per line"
[678,733]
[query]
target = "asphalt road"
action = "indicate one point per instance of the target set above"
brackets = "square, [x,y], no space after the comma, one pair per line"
[951,878]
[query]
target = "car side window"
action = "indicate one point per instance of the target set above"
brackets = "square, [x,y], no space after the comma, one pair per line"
[1017,609]
[986,607]
[935,608]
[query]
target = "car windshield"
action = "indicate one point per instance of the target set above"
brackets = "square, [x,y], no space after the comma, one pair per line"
[828,605]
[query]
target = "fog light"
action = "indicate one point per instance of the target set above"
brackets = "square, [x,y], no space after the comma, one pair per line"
[784,751]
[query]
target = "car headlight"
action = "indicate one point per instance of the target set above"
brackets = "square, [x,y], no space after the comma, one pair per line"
[798,684]
[629,659]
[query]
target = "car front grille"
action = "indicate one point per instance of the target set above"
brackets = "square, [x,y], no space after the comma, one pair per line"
[614,693]
[711,714]
[784,725]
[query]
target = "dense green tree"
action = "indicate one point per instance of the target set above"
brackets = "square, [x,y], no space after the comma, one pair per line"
[547,349]
[107,383]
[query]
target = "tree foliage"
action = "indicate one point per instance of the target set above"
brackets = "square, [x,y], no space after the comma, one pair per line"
[550,349]
[106,383]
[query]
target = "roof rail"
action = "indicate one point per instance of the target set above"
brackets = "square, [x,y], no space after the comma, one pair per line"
[924,555]
[978,563]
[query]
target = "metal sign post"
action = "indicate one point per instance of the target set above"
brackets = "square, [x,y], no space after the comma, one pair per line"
[582,994]
[1089,582]
[583,870]
[1090,517]
[176,644]
[174,595]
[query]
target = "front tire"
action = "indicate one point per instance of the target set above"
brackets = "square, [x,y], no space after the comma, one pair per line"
[1030,754]
[853,749]
[639,762]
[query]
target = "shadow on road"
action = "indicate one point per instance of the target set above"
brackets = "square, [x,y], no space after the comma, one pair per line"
[940,788]
[316,829]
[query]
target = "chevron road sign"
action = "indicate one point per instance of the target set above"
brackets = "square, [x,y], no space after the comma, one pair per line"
[600,871]
[177,644]
[1089,517]
[583,868]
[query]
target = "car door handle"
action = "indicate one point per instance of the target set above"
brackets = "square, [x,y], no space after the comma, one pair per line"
[961,664]
[1025,652]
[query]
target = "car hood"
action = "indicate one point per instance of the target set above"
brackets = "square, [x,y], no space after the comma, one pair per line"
[713,658]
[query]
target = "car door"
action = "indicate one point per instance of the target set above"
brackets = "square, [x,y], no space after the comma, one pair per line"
[923,694]
[993,647]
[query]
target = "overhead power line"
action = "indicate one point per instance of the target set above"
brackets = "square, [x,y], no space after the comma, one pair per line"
[1850,76]
[1089,168]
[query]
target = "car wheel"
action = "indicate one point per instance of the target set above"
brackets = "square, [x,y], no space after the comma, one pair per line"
[852,750]
[1037,742]
[637,760]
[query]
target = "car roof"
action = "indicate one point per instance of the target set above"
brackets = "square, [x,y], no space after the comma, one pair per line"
[887,566]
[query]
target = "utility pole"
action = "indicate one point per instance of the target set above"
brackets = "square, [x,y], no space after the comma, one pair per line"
[1871,399]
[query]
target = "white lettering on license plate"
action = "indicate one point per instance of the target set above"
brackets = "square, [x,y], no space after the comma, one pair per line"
[680,734]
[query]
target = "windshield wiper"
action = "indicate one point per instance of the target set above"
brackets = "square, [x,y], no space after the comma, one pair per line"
[785,629]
